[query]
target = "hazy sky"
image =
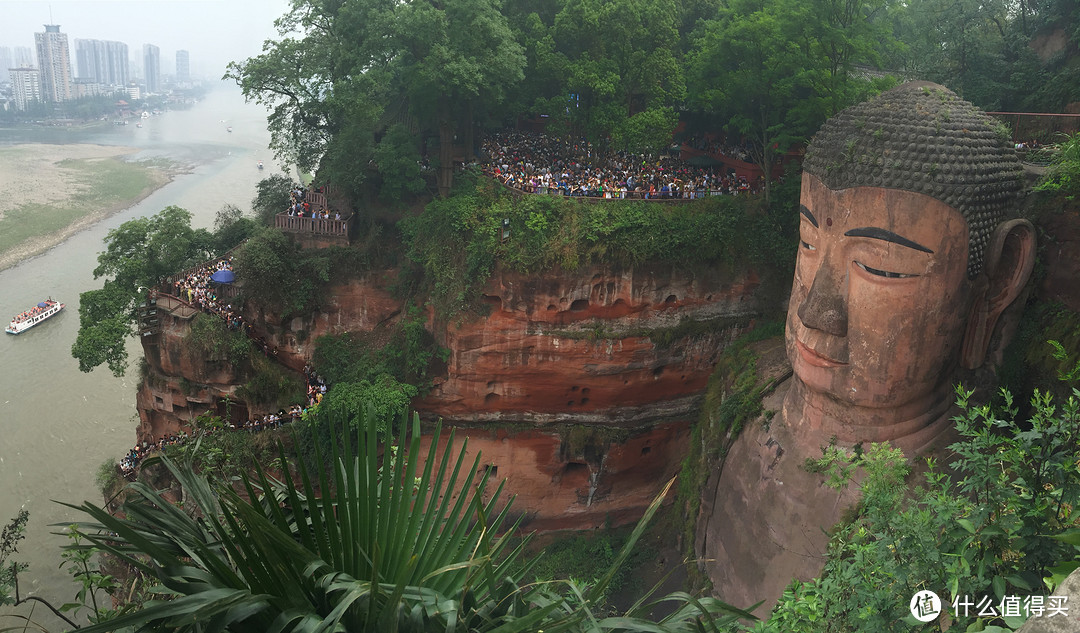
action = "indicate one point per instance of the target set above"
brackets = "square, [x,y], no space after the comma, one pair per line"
[214,32]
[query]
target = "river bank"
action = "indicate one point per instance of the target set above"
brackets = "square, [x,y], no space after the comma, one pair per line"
[50,192]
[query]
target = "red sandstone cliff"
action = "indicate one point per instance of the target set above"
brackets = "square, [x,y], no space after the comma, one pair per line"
[578,387]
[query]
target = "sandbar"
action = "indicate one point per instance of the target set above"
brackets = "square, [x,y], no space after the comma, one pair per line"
[63,189]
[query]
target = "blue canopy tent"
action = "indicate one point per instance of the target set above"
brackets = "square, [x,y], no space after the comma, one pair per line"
[223,277]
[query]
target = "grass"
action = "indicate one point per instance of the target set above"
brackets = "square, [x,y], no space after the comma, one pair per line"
[97,185]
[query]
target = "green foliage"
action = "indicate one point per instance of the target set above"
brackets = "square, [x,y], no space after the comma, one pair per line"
[271,385]
[771,72]
[272,197]
[281,277]
[385,397]
[587,556]
[991,529]
[139,254]
[404,352]
[107,478]
[398,158]
[1063,176]
[222,453]
[384,547]
[1032,360]
[231,227]
[210,337]
[456,241]
[340,74]
[13,532]
[88,576]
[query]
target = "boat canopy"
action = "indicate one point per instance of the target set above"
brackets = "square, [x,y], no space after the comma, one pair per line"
[42,305]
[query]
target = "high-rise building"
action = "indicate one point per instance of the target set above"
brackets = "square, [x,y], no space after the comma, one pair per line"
[24,57]
[183,66]
[152,67]
[54,62]
[27,84]
[102,61]
[6,62]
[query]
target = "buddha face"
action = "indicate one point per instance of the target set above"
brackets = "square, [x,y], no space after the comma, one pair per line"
[880,298]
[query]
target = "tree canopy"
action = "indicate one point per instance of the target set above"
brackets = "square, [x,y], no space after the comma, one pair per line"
[139,255]
[363,90]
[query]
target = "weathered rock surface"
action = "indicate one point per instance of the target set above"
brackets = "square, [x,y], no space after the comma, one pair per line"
[578,387]
[1061,256]
[1066,621]
[583,347]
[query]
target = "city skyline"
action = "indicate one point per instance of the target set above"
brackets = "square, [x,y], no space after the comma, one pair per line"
[214,32]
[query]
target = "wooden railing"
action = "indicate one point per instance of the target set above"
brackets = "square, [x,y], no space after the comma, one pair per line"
[293,224]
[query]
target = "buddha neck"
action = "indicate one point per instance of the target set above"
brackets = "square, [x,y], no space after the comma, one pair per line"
[910,427]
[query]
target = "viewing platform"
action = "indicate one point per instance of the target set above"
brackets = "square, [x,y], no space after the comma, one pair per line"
[315,232]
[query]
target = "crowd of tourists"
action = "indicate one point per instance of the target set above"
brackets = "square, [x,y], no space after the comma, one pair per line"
[316,386]
[300,206]
[130,462]
[34,311]
[538,163]
[199,289]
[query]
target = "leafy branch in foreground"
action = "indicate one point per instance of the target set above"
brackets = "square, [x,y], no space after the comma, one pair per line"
[406,543]
[1002,524]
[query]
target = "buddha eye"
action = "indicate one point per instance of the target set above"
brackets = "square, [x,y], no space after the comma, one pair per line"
[883,273]
[809,247]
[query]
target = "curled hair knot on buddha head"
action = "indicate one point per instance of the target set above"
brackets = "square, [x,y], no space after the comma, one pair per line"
[921,137]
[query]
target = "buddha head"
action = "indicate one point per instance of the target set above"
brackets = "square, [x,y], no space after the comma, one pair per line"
[907,257]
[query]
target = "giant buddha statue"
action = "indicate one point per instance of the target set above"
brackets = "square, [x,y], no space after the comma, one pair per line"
[907,258]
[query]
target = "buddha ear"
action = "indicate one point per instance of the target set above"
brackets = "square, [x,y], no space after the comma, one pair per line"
[1007,265]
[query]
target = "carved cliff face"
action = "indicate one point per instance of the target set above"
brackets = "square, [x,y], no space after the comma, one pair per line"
[880,295]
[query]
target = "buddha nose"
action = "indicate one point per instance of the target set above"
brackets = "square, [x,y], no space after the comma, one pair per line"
[825,306]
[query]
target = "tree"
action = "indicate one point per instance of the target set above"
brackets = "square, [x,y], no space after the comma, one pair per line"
[960,44]
[361,66]
[771,72]
[617,59]
[387,545]
[272,197]
[279,276]
[231,227]
[139,255]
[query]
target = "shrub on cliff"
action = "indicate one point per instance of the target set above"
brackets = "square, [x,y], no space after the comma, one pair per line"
[1000,526]
[457,241]
[1063,176]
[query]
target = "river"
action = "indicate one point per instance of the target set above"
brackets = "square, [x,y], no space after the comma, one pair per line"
[57,424]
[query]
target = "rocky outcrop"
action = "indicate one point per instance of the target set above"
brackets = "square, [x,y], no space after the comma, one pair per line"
[578,387]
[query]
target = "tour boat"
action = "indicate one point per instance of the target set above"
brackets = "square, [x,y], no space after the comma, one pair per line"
[33,316]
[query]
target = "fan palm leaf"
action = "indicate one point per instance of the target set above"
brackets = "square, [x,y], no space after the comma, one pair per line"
[379,540]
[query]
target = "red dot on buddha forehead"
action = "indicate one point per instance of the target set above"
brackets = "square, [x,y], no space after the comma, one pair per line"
[828,221]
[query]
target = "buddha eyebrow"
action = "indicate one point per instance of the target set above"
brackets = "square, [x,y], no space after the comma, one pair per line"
[809,216]
[888,236]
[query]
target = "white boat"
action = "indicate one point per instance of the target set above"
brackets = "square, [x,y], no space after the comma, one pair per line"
[33,316]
